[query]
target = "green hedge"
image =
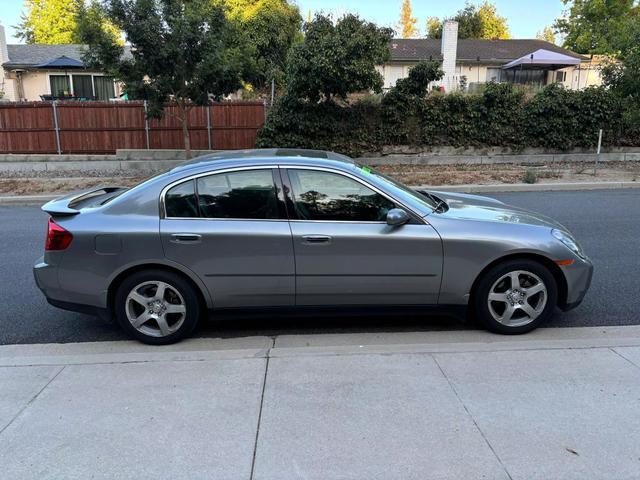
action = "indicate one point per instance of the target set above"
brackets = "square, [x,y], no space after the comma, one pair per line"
[502,115]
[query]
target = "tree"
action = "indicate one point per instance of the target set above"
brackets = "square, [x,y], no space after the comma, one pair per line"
[474,21]
[599,27]
[493,25]
[337,59]
[622,76]
[183,51]
[547,34]
[407,24]
[48,21]
[273,26]
[54,22]
[434,27]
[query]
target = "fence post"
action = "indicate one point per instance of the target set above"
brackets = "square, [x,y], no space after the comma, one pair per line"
[56,126]
[209,124]
[146,124]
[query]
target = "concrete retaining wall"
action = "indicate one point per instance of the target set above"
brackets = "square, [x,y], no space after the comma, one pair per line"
[150,160]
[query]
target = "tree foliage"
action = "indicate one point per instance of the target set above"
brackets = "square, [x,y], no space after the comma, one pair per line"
[184,51]
[474,21]
[48,21]
[407,23]
[54,22]
[546,34]
[273,26]
[597,26]
[336,59]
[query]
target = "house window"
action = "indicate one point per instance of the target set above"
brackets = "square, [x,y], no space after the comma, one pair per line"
[561,77]
[59,85]
[82,87]
[103,88]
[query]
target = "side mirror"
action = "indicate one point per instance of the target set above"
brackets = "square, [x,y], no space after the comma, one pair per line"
[397,217]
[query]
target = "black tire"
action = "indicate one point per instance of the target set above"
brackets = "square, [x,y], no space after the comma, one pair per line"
[480,296]
[175,281]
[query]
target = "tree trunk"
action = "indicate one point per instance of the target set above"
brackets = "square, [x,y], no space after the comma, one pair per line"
[184,111]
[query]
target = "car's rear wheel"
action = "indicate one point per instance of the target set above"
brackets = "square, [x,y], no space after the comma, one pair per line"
[157,307]
[515,296]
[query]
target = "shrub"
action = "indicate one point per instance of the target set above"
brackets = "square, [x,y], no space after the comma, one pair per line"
[501,115]
[529,176]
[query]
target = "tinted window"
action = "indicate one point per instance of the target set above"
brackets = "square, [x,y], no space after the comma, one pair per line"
[247,194]
[330,196]
[181,201]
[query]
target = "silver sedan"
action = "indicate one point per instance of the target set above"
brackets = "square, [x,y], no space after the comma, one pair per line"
[284,229]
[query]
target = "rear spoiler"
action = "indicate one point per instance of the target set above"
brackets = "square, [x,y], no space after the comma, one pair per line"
[73,203]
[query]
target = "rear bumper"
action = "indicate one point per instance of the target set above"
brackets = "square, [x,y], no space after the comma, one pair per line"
[46,278]
[578,278]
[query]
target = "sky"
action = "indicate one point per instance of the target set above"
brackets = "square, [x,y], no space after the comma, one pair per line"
[525,17]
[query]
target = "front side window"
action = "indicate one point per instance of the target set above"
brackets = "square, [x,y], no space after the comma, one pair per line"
[319,195]
[247,194]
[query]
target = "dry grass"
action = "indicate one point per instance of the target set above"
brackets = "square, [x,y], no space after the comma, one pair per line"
[34,183]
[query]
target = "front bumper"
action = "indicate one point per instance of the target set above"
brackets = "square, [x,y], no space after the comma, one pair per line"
[578,277]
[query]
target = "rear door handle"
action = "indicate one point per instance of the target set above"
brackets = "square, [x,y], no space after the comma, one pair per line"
[316,239]
[186,238]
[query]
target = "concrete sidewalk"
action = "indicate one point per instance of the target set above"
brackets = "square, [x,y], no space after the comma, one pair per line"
[554,404]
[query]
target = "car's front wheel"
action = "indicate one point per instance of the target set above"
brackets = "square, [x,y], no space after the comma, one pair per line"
[157,307]
[515,296]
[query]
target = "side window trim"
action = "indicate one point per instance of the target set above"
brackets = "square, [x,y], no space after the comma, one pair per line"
[293,216]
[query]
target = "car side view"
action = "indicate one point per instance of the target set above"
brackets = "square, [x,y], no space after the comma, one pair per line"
[299,228]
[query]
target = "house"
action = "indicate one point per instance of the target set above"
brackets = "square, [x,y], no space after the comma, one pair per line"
[474,61]
[37,72]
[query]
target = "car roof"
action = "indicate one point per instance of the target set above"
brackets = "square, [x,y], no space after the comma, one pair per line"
[238,158]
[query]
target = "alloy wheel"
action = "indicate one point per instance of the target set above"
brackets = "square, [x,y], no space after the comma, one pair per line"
[155,308]
[517,298]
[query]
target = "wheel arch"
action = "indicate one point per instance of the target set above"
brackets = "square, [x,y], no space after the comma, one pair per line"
[190,277]
[561,281]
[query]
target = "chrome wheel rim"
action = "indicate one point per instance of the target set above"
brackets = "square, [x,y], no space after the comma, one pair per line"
[517,298]
[155,308]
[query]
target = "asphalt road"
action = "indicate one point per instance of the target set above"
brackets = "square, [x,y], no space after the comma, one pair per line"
[607,223]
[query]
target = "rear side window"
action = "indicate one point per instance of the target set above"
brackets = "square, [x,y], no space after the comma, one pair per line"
[181,201]
[248,194]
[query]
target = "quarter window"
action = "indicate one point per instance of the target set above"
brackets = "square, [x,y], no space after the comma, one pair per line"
[329,196]
[248,194]
[181,201]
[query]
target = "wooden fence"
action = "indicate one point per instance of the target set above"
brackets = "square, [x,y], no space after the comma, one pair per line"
[104,127]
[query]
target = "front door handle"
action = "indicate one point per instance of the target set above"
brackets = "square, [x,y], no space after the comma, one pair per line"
[316,239]
[186,238]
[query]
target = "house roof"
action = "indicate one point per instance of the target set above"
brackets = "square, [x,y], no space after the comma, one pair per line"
[45,56]
[498,51]
[30,56]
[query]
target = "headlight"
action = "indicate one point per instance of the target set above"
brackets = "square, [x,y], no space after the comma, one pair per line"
[569,242]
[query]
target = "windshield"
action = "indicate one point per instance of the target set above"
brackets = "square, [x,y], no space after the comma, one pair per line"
[397,188]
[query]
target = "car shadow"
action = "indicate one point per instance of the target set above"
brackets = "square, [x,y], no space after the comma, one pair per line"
[230,325]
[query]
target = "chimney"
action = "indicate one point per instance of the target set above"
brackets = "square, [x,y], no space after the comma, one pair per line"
[6,84]
[4,55]
[449,50]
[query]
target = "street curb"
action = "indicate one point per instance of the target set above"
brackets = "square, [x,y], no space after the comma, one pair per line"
[467,188]
[216,349]
[534,187]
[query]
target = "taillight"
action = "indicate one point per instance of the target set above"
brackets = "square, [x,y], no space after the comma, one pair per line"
[57,237]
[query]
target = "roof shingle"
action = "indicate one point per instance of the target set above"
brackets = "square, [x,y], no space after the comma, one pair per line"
[498,51]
